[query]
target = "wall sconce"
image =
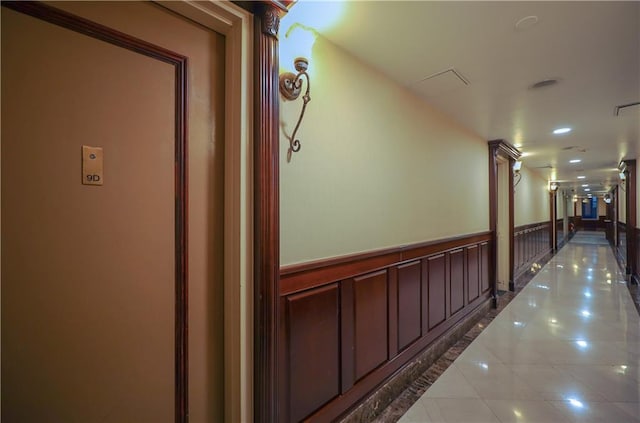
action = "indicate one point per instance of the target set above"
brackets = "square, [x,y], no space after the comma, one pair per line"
[607,198]
[517,176]
[553,186]
[291,83]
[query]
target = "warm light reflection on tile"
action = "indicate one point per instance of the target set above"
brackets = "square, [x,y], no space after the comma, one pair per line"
[517,413]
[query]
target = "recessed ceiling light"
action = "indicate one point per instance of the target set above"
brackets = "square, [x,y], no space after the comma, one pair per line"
[581,177]
[517,145]
[587,189]
[561,131]
[575,161]
[585,185]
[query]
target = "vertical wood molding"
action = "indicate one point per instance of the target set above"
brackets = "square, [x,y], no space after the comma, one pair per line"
[267,398]
[493,221]
[512,286]
[89,28]
[630,194]
[552,218]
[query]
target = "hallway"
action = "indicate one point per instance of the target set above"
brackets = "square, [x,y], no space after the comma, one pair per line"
[565,349]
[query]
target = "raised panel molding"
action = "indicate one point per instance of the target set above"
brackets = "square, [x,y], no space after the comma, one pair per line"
[313,334]
[370,325]
[409,304]
[473,273]
[485,284]
[437,286]
[374,312]
[532,243]
[457,281]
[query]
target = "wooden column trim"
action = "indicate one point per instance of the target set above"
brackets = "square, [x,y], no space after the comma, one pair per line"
[502,149]
[267,214]
[552,217]
[630,194]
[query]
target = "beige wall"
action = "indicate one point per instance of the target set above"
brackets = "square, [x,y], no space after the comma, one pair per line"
[378,167]
[531,198]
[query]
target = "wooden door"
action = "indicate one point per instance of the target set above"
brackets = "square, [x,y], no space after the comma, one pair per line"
[95,277]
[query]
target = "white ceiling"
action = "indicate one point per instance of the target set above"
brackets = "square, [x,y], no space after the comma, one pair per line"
[593,48]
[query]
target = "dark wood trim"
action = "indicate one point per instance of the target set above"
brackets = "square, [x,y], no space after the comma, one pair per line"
[552,219]
[100,32]
[630,193]
[315,273]
[504,150]
[267,307]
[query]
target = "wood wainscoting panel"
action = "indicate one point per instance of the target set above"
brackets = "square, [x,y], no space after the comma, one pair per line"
[313,349]
[484,265]
[436,277]
[473,273]
[409,307]
[457,281]
[350,323]
[370,324]
[532,243]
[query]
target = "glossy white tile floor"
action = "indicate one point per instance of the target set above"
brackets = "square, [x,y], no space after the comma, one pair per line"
[566,349]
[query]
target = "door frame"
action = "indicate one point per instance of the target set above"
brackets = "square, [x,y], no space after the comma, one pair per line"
[504,150]
[236,25]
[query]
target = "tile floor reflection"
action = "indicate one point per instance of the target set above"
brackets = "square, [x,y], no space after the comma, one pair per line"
[565,349]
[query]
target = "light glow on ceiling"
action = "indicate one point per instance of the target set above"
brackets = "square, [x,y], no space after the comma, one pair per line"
[581,177]
[574,402]
[575,161]
[561,130]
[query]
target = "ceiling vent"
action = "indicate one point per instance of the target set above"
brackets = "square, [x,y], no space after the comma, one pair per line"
[440,83]
[624,107]
[575,147]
